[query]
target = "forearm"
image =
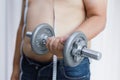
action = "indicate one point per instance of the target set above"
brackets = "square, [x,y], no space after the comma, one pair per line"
[17,55]
[92,26]
[16,61]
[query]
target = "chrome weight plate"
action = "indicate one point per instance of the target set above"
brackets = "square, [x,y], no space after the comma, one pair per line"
[70,46]
[38,36]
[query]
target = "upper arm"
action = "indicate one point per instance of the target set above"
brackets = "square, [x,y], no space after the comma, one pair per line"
[19,33]
[95,7]
[21,17]
[22,12]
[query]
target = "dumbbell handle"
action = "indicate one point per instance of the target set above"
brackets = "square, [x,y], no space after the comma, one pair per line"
[43,37]
[29,34]
[91,53]
[85,51]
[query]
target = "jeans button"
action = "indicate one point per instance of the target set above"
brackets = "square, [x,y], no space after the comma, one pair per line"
[36,67]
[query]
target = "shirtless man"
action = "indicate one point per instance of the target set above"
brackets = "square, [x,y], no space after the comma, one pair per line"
[88,16]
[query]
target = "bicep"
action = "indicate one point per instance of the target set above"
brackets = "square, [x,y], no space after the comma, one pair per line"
[21,23]
[22,15]
[95,7]
[19,31]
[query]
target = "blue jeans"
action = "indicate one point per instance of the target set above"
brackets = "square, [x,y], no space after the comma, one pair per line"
[33,70]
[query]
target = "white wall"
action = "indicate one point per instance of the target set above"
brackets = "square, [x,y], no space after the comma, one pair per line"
[9,20]
[107,42]
[2,39]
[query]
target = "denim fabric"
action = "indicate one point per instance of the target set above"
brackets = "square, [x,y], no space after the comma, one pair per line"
[33,70]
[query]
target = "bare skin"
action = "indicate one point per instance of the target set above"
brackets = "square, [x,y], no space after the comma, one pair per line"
[60,22]
[88,16]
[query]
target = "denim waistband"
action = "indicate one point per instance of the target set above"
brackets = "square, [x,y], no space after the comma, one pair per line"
[34,62]
[60,61]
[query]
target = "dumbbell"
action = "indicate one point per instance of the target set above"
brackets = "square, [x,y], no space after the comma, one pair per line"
[75,47]
[39,37]
[75,50]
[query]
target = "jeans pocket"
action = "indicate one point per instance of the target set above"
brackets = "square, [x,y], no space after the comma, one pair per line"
[80,72]
[28,70]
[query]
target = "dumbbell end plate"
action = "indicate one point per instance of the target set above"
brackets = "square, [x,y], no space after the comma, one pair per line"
[69,45]
[37,38]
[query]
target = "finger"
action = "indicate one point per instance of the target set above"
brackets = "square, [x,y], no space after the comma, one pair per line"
[56,44]
[51,47]
[60,47]
[48,43]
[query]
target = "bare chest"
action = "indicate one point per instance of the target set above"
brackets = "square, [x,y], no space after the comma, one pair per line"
[64,11]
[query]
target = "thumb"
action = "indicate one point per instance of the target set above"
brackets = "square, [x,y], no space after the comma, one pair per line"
[63,39]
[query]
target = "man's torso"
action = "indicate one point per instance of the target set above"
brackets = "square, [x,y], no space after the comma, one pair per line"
[69,14]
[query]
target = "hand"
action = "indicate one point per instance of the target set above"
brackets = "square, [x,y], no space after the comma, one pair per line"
[54,45]
[15,76]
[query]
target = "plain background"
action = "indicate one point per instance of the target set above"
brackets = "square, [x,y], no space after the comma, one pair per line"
[108,42]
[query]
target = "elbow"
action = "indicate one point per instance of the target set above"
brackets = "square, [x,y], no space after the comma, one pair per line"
[101,21]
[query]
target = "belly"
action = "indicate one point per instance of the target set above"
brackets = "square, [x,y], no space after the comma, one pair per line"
[67,18]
